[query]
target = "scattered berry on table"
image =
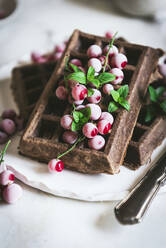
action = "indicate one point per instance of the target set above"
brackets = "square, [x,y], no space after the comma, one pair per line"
[96,97]
[6,177]
[12,193]
[104,126]
[55,165]
[95,111]
[96,143]
[8,126]
[66,121]
[89,130]
[94,51]
[69,137]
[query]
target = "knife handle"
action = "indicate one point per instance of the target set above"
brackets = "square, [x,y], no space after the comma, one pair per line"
[132,209]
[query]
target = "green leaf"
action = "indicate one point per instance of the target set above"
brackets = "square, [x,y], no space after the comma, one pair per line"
[123,91]
[77,76]
[160,90]
[74,67]
[153,94]
[163,105]
[75,126]
[77,116]
[124,103]
[106,77]
[96,82]
[80,118]
[90,92]
[90,73]
[150,113]
[115,95]
[86,112]
[112,107]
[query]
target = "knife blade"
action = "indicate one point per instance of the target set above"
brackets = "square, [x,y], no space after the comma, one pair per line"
[132,209]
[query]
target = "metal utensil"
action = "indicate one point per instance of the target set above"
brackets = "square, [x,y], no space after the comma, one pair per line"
[133,207]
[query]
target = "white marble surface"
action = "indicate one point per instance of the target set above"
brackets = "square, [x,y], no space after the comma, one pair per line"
[40,220]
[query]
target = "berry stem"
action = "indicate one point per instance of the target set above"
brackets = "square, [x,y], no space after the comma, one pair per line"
[4,151]
[71,148]
[110,46]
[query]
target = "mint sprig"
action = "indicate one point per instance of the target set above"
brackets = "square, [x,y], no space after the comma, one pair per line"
[80,118]
[119,96]
[157,104]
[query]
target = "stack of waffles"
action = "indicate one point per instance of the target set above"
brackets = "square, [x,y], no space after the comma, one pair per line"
[131,141]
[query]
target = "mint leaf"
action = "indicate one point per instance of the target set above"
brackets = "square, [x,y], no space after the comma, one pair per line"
[77,76]
[106,77]
[77,116]
[159,91]
[75,126]
[123,91]
[90,92]
[163,105]
[112,107]
[123,102]
[80,118]
[150,113]
[86,112]
[74,67]
[115,95]
[96,82]
[90,73]
[153,94]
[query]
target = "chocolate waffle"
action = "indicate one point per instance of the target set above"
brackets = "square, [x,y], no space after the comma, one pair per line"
[147,135]
[28,82]
[42,137]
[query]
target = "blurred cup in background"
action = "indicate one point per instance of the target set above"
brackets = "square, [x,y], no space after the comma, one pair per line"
[141,7]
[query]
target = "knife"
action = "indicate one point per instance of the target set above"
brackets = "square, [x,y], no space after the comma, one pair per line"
[132,209]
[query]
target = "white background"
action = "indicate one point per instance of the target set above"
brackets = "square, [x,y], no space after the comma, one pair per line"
[40,220]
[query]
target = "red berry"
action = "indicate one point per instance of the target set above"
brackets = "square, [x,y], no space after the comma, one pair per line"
[55,165]
[79,92]
[96,143]
[6,177]
[61,92]
[89,130]
[104,126]
[70,137]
